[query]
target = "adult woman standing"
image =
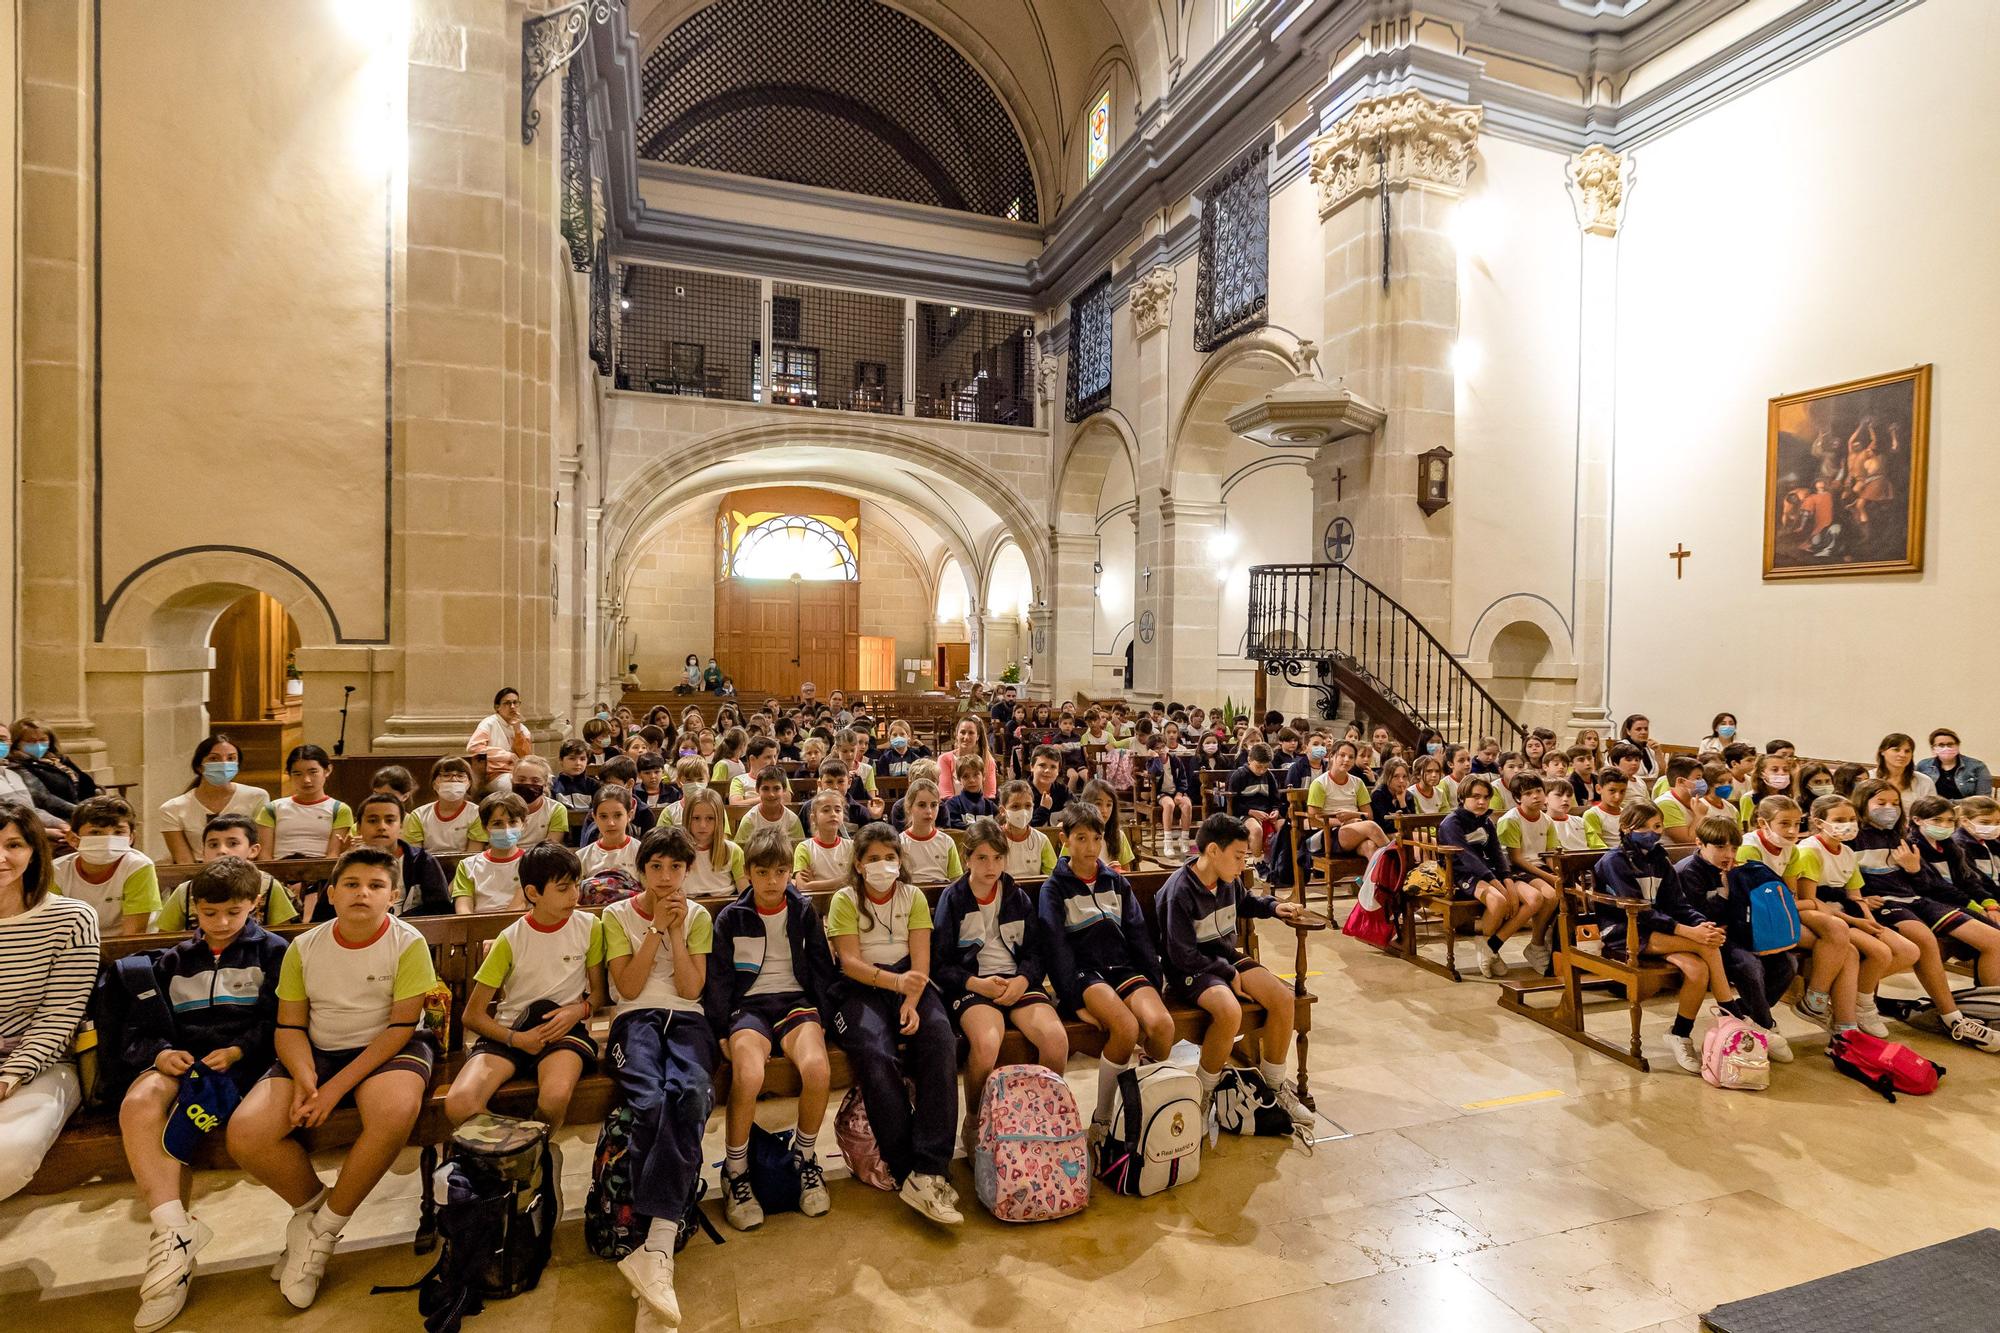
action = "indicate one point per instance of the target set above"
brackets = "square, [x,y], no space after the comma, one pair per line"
[214,791]
[969,738]
[1720,733]
[48,961]
[1637,731]
[37,751]
[502,738]
[1955,775]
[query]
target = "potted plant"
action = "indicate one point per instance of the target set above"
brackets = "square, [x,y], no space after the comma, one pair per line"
[294,686]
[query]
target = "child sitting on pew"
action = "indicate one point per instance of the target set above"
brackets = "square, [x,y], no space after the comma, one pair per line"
[350,1010]
[228,835]
[1570,833]
[1101,957]
[1346,803]
[378,823]
[219,1012]
[532,998]
[1601,820]
[924,769]
[772,811]
[717,870]
[1051,796]
[1704,881]
[490,880]
[770,998]
[1392,795]
[825,861]
[1680,784]
[308,822]
[1468,835]
[1030,854]
[893,1026]
[1198,910]
[690,776]
[120,884]
[1945,881]
[396,779]
[1978,842]
[1670,927]
[574,787]
[1254,797]
[662,1052]
[1117,846]
[970,801]
[543,818]
[1528,841]
[990,967]
[930,855]
[611,844]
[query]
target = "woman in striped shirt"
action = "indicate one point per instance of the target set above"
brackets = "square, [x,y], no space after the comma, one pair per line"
[48,960]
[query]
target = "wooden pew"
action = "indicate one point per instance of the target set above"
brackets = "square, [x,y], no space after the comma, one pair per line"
[1582,965]
[90,1147]
[1442,912]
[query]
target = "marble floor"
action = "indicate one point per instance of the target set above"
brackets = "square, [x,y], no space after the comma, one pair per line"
[1492,1177]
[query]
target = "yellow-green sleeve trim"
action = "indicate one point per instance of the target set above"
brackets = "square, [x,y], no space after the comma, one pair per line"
[802,857]
[414,974]
[1509,829]
[498,965]
[475,831]
[700,930]
[268,817]
[1316,795]
[1749,852]
[558,818]
[142,891]
[279,909]
[1673,814]
[1048,854]
[413,829]
[593,952]
[842,916]
[461,882]
[616,944]
[291,975]
[920,910]
[737,875]
[343,816]
[954,865]
[173,912]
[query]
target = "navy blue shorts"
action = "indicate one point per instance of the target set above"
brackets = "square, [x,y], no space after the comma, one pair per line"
[957,1004]
[1187,987]
[418,1056]
[774,1015]
[1123,980]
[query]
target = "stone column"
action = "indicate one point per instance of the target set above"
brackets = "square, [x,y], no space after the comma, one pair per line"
[1599,181]
[1040,649]
[53,496]
[1152,302]
[1393,347]
[1192,595]
[1066,667]
[476,296]
[1000,644]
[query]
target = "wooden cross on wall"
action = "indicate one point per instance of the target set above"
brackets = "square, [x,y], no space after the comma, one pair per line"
[1679,556]
[1340,483]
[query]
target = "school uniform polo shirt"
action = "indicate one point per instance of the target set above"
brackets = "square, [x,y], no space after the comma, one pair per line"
[1030,857]
[548,821]
[530,962]
[776,974]
[705,879]
[129,886]
[600,855]
[303,827]
[625,927]
[824,860]
[350,988]
[492,882]
[885,937]
[934,860]
[1535,839]
[1337,797]
[429,828]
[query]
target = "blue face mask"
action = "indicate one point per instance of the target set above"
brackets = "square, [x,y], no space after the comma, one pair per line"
[1937,832]
[1319,752]
[1725,732]
[503,839]
[35,749]
[5,746]
[899,743]
[1701,786]
[1432,748]
[1724,790]
[1644,841]
[220,772]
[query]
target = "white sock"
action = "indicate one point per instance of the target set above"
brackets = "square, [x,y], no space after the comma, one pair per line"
[326,1222]
[662,1234]
[804,1142]
[1865,1003]
[1206,1079]
[313,1204]
[170,1216]
[1273,1074]
[736,1158]
[1107,1085]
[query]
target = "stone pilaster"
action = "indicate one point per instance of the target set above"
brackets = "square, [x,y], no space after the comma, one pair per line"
[1599,183]
[1151,304]
[1187,634]
[1001,641]
[476,296]
[1039,649]
[1393,345]
[1066,668]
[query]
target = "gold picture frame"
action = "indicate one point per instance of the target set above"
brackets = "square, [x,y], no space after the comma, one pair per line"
[1844,478]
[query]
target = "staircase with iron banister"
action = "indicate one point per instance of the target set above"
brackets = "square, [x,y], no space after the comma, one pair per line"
[1324,627]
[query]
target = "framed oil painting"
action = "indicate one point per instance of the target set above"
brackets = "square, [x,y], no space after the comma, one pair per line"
[1844,479]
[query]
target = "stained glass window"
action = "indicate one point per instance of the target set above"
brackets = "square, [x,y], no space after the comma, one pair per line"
[780,546]
[1100,135]
[1233,266]
[1233,10]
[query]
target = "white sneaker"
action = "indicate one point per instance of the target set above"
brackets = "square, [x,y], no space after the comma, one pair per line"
[927,1195]
[296,1232]
[740,1205]
[1868,1018]
[1820,1018]
[305,1265]
[1493,965]
[1775,1044]
[813,1198]
[1540,957]
[169,1271]
[1685,1055]
[651,1273]
[1288,1098]
[1972,1032]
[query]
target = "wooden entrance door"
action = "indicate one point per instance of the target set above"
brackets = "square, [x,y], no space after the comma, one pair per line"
[772,635]
[954,663]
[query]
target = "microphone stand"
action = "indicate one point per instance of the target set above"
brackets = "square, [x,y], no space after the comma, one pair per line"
[340,746]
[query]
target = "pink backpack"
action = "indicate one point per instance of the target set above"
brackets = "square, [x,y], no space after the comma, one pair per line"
[1031,1162]
[1889,1067]
[1117,770]
[856,1138]
[1736,1055]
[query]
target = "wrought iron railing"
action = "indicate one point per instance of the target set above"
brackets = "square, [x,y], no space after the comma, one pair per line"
[1314,624]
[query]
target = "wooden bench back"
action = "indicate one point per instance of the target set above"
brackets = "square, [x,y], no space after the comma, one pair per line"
[291,870]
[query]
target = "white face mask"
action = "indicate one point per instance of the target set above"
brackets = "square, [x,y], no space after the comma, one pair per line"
[880,874]
[96,845]
[1019,818]
[452,791]
[1985,831]
[1844,831]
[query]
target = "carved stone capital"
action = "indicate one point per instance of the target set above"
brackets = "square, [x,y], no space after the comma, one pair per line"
[1396,141]
[1598,178]
[1152,301]
[1045,379]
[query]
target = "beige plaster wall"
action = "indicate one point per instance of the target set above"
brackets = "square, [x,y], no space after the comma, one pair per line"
[9,253]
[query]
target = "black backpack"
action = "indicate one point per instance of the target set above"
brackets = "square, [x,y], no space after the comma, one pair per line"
[127,990]
[612,1228]
[497,1215]
[774,1170]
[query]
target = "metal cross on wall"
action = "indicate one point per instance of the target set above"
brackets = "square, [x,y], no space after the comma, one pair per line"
[1679,556]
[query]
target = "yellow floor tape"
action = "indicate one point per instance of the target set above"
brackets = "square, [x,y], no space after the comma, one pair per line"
[1515,1100]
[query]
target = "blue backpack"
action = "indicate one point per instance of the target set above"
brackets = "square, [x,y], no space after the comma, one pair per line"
[1769,910]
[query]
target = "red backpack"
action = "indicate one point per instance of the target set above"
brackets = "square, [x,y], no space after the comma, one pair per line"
[1889,1067]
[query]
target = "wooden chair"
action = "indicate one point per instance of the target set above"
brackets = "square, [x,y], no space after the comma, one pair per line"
[1583,965]
[1330,864]
[1442,911]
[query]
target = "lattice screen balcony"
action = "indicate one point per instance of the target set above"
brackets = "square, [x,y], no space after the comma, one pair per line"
[690,333]
[974,365]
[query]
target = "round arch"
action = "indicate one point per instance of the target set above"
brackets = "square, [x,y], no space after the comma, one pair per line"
[640,496]
[1196,462]
[1094,446]
[175,603]
[1513,609]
